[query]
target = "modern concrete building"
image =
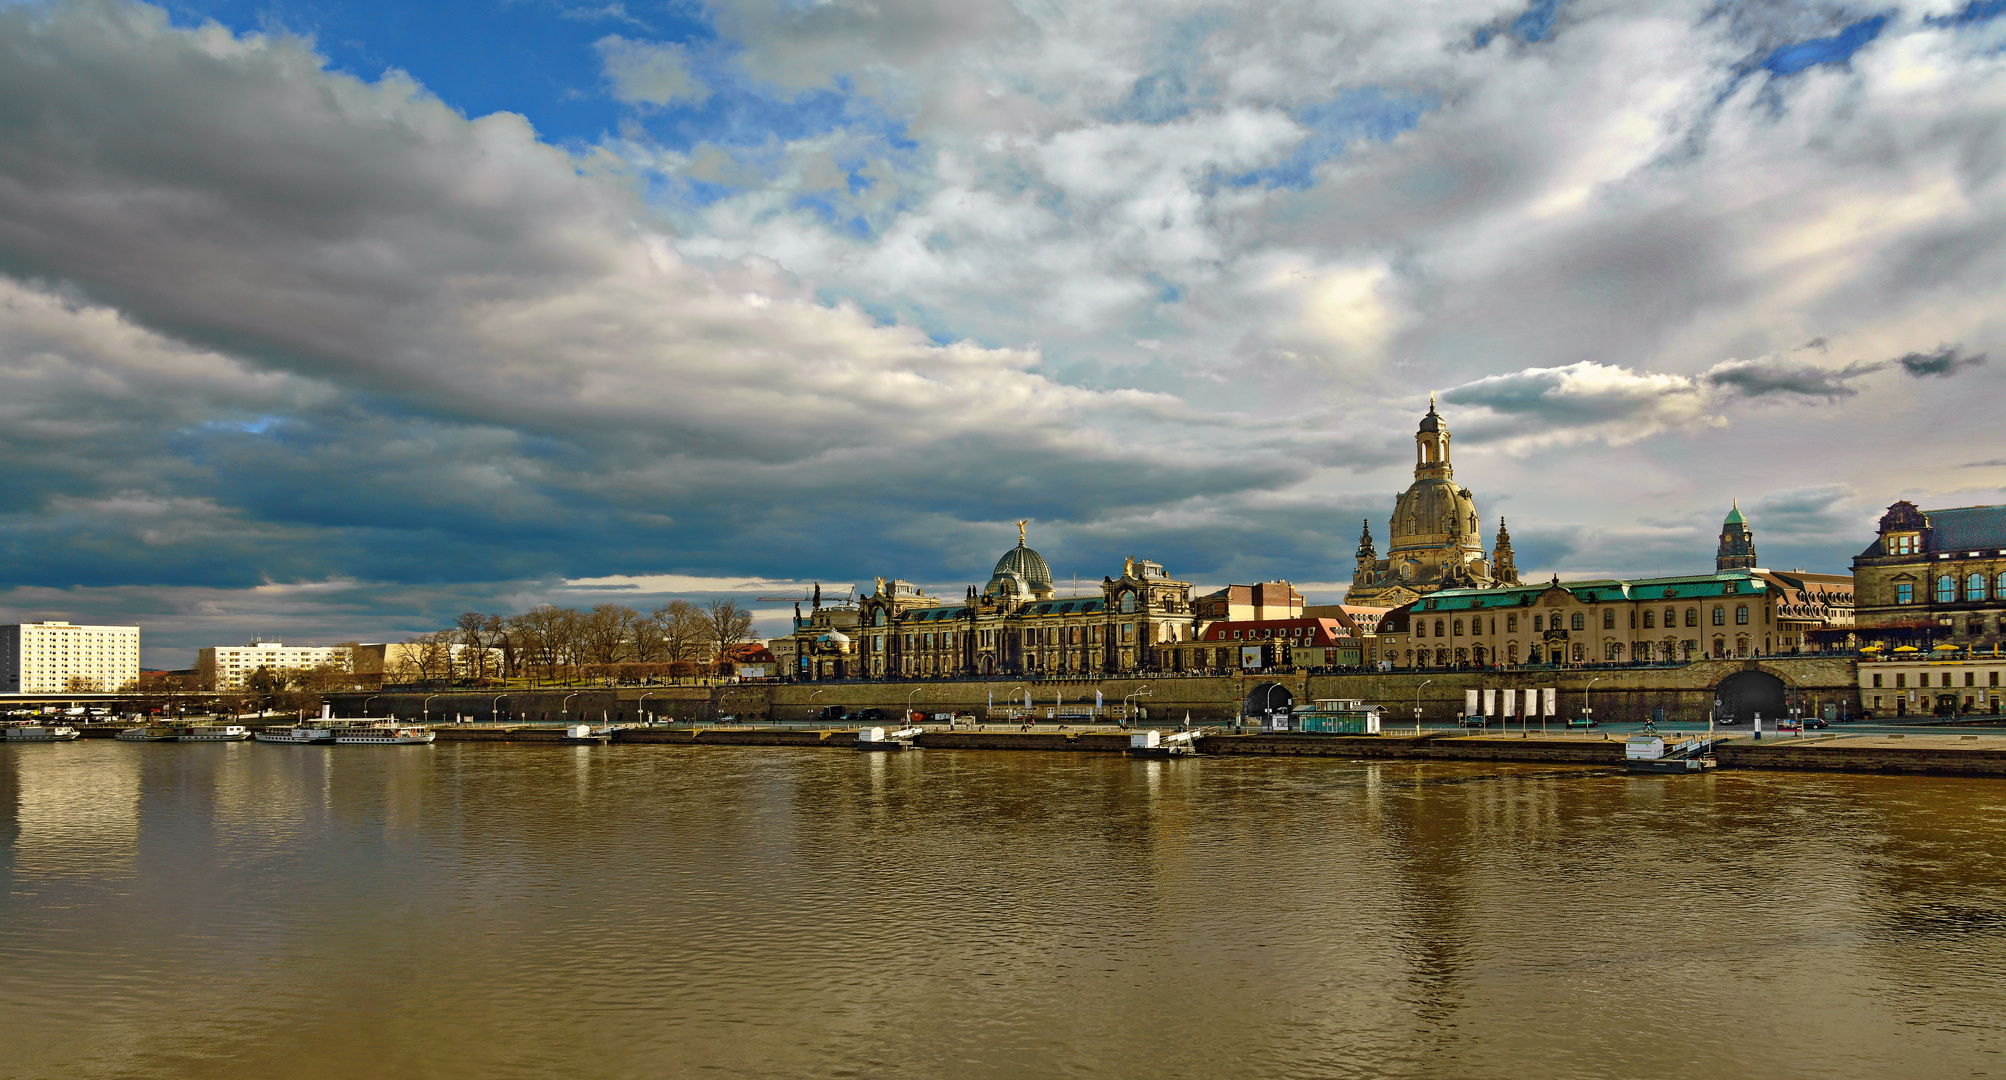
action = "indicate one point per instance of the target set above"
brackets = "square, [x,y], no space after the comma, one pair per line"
[225,667]
[54,657]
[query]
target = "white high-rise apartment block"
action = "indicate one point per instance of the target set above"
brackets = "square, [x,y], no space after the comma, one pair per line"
[225,667]
[56,657]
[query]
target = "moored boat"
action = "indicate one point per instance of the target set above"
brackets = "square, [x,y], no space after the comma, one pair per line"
[212,733]
[149,733]
[41,733]
[384,735]
[296,735]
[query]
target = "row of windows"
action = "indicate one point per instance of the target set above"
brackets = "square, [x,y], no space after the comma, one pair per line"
[1579,621]
[1577,652]
[1970,679]
[1947,590]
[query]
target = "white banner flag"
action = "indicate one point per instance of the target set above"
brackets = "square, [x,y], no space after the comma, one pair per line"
[1532,703]
[1469,703]
[1510,703]
[1552,701]
[1490,702]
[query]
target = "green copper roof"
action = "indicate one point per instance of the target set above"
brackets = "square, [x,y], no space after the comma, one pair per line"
[1734,516]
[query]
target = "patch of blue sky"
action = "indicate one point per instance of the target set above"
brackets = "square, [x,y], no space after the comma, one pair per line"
[479,56]
[1837,49]
[1977,11]
[1368,113]
[1166,292]
[1538,22]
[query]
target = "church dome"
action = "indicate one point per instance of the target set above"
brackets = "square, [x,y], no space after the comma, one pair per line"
[1432,421]
[1026,564]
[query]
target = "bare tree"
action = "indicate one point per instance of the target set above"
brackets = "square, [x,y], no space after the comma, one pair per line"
[476,632]
[647,644]
[603,633]
[684,630]
[726,624]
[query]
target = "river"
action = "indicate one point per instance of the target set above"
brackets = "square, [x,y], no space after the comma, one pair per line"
[469,910]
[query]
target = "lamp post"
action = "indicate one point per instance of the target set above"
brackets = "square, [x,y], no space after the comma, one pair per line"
[1268,703]
[1417,704]
[908,705]
[365,704]
[564,708]
[1587,710]
[1143,692]
[425,709]
[640,707]
[492,706]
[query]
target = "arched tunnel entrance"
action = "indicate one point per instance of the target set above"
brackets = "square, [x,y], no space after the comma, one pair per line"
[1746,694]
[1269,704]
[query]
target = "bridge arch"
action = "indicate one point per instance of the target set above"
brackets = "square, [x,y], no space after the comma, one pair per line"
[1745,694]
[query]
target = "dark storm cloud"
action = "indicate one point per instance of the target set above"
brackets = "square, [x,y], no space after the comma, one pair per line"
[1942,363]
[1770,375]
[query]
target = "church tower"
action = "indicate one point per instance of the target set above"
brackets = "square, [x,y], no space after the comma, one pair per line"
[1737,543]
[1504,569]
[1434,539]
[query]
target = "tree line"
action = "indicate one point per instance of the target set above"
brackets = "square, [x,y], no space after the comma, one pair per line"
[678,638]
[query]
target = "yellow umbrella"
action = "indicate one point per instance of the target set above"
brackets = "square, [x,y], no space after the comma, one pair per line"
[1946,648]
[1906,648]
[1871,648]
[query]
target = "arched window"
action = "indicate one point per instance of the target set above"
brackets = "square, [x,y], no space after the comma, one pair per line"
[1741,615]
[1974,587]
[1946,589]
[1692,617]
[1650,619]
[1511,653]
[1511,621]
[1612,650]
[1441,658]
[1459,628]
[1438,628]
[1671,617]
[1608,618]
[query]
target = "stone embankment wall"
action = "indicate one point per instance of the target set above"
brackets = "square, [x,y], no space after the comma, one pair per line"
[1617,694]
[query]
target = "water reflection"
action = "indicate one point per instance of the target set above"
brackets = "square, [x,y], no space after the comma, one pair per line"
[469,910]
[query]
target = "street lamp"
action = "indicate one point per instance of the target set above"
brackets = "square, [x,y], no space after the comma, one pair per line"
[1143,692]
[1587,710]
[639,708]
[365,705]
[425,710]
[492,705]
[908,704]
[1417,704]
[564,708]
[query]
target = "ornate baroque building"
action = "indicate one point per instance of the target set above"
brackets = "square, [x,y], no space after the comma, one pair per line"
[1434,540]
[1737,543]
[1934,577]
[1017,624]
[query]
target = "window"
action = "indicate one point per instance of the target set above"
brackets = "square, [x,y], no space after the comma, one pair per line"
[1993,679]
[1692,616]
[1741,615]
[1459,628]
[1974,587]
[1511,627]
[1536,621]
[1946,589]
[1580,622]
[1971,678]
[1612,651]
[1438,628]
[1904,592]
[1901,680]
[1720,616]
[1650,620]
[1608,618]
[1877,681]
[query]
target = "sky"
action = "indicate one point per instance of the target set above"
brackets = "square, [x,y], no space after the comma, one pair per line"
[328,320]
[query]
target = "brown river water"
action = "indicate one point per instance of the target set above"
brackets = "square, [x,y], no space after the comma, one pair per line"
[462,910]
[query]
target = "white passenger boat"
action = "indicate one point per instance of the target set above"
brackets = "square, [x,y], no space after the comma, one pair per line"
[150,733]
[296,735]
[384,734]
[41,733]
[212,733]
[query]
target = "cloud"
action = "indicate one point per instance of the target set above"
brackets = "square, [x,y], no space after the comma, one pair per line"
[1770,375]
[649,73]
[1942,363]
